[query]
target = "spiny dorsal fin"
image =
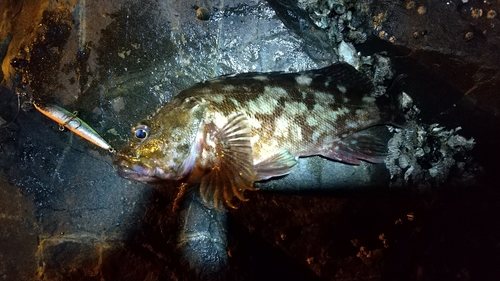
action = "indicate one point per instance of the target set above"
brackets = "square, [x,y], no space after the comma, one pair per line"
[279,164]
[232,172]
[342,73]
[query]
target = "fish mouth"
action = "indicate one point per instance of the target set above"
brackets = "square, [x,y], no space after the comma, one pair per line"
[137,174]
[140,173]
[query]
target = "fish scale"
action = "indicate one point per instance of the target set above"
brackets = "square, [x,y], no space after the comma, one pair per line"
[226,133]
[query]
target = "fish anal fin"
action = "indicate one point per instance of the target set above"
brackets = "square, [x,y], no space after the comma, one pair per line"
[232,172]
[279,164]
[358,146]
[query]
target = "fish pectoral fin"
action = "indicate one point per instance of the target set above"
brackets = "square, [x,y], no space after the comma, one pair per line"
[279,164]
[232,172]
[357,147]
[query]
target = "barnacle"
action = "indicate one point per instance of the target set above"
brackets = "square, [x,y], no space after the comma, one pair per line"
[378,20]
[202,14]
[410,5]
[476,13]
[421,10]
[468,36]
[491,14]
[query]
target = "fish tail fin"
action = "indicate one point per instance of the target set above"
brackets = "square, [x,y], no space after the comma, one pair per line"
[392,112]
[356,147]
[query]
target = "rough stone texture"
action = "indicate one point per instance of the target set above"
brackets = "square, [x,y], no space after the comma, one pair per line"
[202,236]
[66,215]
[18,234]
[436,40]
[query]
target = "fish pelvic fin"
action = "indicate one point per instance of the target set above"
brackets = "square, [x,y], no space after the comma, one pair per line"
[232,171]
[279,164]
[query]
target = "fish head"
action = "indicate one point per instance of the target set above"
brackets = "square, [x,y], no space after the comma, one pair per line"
[165,146]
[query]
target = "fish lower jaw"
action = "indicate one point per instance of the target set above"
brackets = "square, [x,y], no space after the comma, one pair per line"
[141,174]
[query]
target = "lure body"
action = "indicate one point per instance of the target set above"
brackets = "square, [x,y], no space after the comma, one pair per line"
[69,120]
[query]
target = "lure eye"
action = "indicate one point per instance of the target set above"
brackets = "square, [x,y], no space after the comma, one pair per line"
[141,131]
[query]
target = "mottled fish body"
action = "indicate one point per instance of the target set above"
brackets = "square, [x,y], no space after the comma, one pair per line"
[226,133]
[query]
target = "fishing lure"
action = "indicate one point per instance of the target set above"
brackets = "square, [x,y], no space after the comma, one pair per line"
[69,120]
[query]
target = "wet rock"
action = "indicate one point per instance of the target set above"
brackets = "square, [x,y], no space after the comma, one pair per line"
[69,258]
[82,222]
[203,236]
[18,232]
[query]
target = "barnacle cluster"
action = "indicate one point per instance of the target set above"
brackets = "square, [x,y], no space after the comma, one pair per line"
[427,155]
[344,20]
[347,23]
[377,67]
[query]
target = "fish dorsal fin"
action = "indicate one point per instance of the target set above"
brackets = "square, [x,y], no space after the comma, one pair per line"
[344,75]
[232,171]
[279,164]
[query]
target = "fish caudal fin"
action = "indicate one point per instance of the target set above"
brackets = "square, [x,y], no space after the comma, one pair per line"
[279,164]
[390,103]
[358,146]
[232,172]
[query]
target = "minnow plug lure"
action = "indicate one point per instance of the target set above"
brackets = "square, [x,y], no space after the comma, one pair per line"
[69,120]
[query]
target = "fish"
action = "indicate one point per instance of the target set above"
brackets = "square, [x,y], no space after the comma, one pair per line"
[69,120]
[226,133]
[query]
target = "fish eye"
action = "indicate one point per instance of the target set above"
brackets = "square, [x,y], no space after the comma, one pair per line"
[141,131]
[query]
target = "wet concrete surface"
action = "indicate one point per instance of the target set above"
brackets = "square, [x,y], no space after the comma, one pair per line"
[66,215]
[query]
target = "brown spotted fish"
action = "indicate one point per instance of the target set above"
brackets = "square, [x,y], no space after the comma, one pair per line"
[226,133]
